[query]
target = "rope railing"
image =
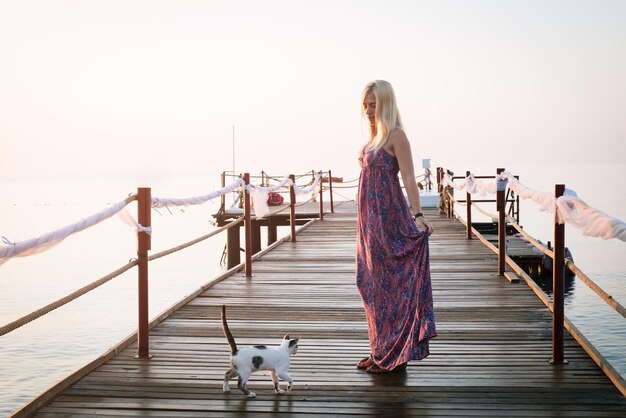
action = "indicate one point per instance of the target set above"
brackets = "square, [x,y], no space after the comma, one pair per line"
[567,262]
[567,209]
[194,241]
[595,288]
[529,238]
[600,360]
[286,182]
[92,286]
[283,209]
[12,326]
[570,264]
[484,212]
[159,202]
[265,175]
[310,189]
[284,185]
[48,240]
[345,187]
[343,196]
[51,239]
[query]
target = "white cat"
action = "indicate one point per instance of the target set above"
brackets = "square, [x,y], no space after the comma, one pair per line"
[253,359]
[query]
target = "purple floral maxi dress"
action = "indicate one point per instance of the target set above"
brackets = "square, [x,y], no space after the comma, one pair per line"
[392,266]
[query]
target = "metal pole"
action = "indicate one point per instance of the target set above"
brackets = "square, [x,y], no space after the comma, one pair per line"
[223,197]
[330,186]
[469,211]
[321,198]
[501,205]
[557,285]
[247,226]
[144,207]
[292,208]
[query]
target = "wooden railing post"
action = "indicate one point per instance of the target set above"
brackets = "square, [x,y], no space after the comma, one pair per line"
[144,207]
[292,208]
[449,207]
[501,205]
[247,225]
[321,197]
[558,278]
[233,246]
[330,186]
[439,189]
[517,201]
[468,200]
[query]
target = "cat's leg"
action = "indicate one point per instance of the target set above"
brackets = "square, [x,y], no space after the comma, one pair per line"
[285,376]
[277,388]
[241,384]
[227,376]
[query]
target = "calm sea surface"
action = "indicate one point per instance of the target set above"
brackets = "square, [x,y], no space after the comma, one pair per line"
[38,355]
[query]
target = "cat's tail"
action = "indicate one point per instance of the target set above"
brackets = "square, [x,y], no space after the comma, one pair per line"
[229,336]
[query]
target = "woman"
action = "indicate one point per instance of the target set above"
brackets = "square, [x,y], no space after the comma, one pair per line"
[393,272]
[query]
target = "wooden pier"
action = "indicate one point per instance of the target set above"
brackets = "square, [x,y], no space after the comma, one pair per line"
[489,359]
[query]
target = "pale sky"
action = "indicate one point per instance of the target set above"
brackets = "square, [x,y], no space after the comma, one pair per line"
[99,87]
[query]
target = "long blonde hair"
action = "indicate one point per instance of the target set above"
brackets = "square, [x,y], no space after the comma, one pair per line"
[387,115]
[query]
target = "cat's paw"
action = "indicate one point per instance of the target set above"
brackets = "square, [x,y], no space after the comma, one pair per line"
[226,388]
[251,395]
[279,391]
[289,386]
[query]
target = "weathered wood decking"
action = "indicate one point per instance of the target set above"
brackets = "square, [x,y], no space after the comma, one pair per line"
[490,358]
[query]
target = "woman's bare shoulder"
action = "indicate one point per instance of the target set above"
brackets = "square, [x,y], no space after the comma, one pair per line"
[398,137]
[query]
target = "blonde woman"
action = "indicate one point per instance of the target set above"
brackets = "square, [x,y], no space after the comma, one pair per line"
[392,260]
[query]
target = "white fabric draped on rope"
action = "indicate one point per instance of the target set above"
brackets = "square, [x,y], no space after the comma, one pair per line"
[592,222]
[159,202]
[259,194]
[311,189]
[546,201]
[37,245]
[49,240]
[129,220]
[286,182]
[475,186]
[568,208]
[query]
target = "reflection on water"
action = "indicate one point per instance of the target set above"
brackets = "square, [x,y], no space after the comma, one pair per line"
[546,282]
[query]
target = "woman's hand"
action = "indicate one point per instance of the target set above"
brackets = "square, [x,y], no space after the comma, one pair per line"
[424,225]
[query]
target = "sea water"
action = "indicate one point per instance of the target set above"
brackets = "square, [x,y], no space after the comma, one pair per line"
[47,350]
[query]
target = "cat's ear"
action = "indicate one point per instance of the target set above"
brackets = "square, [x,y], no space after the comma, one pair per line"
[293,342]
[286,337]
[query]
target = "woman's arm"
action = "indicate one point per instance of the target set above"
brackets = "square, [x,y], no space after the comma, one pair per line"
[401,148]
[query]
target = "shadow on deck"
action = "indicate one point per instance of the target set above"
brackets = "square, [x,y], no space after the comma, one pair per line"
[490,358]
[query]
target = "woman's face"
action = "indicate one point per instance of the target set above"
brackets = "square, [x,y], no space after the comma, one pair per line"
[369,108]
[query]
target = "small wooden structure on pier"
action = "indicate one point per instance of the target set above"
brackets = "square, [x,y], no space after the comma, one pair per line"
[281,217]
[489,359]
